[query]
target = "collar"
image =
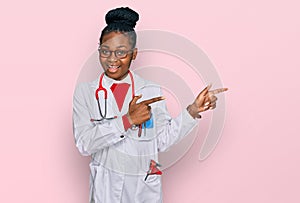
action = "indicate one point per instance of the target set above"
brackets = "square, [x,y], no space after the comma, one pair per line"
[109,81]
[139,82]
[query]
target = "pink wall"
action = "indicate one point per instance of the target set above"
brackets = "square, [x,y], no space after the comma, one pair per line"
[254,46]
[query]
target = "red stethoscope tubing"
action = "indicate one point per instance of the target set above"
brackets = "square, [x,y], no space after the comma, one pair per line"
[101,88]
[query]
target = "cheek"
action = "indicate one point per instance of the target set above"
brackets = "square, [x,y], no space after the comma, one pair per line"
[126,62]
[101,60]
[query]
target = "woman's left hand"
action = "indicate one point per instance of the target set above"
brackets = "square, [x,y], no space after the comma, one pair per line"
[206,100]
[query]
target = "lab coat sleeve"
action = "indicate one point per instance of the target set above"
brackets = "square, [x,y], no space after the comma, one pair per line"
[91,137]
[171,130]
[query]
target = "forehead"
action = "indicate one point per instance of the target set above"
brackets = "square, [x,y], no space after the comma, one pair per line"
[115,40]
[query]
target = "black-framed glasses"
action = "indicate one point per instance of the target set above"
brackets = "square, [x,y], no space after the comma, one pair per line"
[119,53]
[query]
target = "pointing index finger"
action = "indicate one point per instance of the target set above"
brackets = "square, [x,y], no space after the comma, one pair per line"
[216,91]
[152,100]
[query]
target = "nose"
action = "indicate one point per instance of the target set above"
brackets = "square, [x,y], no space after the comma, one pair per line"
[112,57]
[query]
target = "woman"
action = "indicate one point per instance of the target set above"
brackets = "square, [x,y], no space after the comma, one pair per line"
[121,120]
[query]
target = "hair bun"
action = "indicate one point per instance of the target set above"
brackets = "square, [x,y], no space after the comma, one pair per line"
[123,16]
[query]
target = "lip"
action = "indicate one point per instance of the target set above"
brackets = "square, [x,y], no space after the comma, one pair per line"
[112,68]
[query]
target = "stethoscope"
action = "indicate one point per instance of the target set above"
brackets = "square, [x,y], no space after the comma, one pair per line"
[101,88]
[103,115]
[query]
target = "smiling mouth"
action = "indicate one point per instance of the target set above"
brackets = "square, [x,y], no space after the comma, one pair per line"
[113,69]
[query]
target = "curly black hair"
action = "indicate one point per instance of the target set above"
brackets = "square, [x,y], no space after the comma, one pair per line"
[122,20]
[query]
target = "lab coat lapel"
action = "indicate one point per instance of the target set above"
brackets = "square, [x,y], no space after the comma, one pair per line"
[139,83]
[112,106]
[111,98]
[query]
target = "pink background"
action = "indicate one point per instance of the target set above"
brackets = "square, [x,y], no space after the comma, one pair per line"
[254,46]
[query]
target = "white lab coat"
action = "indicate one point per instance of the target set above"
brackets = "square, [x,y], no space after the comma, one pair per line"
[120,159]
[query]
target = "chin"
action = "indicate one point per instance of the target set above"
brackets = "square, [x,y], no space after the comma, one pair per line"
[116,75]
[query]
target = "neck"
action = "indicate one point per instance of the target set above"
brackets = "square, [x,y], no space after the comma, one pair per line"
[118,79]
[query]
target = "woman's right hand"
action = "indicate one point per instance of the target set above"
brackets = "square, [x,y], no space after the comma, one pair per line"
[138,113]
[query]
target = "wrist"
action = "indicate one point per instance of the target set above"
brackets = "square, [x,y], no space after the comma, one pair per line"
[129,119]
[193,111]
[132,125]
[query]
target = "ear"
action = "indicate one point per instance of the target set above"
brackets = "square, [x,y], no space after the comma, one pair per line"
[135,50]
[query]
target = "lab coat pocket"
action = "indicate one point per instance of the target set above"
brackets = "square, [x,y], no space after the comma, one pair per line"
[148,129]
[151,179]
[149,191]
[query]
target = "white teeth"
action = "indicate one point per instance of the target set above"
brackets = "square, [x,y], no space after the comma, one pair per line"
[114,67]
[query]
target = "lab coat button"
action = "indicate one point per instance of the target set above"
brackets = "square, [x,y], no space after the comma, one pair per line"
[122,136]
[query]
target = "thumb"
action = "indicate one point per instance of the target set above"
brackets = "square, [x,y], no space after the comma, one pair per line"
[202,95]
[206,89]
[135,98]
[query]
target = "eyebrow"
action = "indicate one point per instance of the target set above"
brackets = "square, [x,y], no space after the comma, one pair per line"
[121,46]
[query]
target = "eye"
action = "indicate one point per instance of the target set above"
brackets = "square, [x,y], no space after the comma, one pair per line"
[104,52]
[120,52]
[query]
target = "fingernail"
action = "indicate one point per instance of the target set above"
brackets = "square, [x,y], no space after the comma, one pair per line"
[206,104]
